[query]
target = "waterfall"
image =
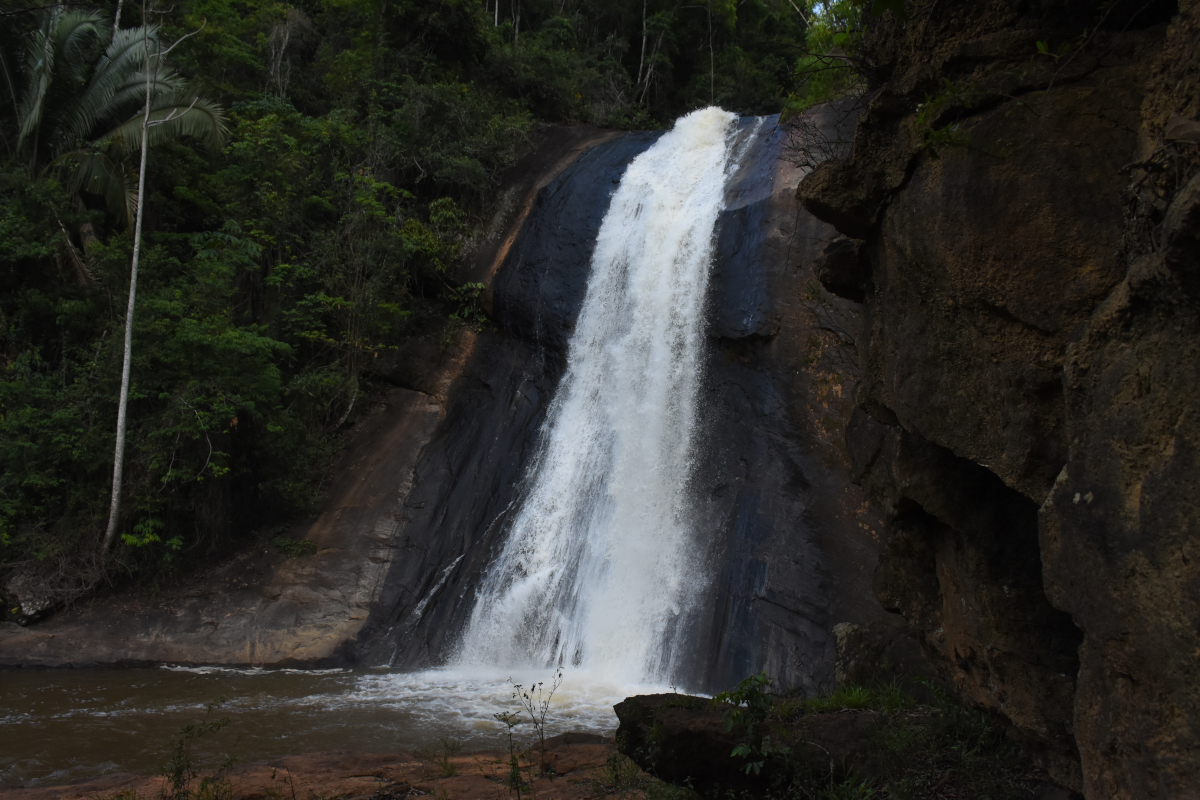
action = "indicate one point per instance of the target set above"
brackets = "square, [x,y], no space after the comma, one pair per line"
[598,569]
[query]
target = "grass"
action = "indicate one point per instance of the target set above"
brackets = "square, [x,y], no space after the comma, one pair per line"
[295,548]
[440,756]
[623,778]
[885,697]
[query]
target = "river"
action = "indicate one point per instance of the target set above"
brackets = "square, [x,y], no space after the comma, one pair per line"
[63,725]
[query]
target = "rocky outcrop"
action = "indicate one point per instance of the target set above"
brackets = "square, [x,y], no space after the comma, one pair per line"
[793,541]
[1028,409]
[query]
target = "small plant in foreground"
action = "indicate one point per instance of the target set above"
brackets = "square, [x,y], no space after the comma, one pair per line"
[621,775]
[515,782]
[751,706]
[295,548]
[536,702]
[179,769]
[441,755]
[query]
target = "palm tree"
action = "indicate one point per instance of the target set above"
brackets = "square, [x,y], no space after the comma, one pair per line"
[91,99]
[79,111]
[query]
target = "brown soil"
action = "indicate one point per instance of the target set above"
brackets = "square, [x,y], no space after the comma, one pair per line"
[576,770]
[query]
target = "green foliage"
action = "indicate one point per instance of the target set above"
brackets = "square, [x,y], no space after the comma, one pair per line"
[82,96]
[622,776]
[364,145]
[829,67]
[942,106]
[751,706]
[294,548]
[750,702]
[887,697]
[914,748]
[963,749]
[515,780]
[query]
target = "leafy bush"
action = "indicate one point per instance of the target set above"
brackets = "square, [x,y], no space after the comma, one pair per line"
[295,548]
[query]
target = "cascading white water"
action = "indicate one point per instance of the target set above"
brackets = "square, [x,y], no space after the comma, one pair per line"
[598,568]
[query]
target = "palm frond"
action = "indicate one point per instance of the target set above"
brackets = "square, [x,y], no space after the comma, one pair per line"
[59,48]
[39,73]
[98,119]
[118,79]
[172,116]
[77,36]
[117,101]
[132,93]
[94,171]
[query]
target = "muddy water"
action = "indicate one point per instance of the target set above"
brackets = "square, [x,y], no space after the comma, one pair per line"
[62,725]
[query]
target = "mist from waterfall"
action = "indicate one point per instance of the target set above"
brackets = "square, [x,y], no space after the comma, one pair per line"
[598,569]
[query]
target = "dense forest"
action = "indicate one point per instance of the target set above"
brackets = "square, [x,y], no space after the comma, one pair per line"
[311,173]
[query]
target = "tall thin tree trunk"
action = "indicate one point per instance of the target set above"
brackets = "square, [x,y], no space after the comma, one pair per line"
[642,57]
[496,22]
[712,64]
[123,403]
[117,19]
[517,27]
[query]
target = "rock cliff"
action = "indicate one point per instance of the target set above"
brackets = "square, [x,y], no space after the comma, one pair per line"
[1022,209]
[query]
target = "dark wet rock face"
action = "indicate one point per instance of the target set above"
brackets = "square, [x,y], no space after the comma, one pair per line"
[540,287]
[1028,407]
[464,483]
[791,541]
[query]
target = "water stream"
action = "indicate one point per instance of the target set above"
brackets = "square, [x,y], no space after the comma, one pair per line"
[63,725]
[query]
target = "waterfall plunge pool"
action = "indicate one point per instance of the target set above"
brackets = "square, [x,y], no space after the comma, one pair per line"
[64,725]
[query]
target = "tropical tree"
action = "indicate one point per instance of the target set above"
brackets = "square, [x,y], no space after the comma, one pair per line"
[92,98]
[79,104]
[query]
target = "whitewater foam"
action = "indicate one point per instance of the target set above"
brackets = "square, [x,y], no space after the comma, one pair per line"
[598,569]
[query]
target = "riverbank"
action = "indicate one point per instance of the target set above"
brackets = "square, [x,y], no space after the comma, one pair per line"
[580,765]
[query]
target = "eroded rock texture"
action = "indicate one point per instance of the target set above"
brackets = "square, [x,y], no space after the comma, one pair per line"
[1029,269]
